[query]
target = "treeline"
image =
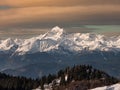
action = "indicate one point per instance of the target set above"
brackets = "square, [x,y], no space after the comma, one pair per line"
[8,82]
[80,77]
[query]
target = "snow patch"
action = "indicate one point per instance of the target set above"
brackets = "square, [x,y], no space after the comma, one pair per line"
[112,87]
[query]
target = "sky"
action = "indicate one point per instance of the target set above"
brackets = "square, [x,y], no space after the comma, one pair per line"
[38,14]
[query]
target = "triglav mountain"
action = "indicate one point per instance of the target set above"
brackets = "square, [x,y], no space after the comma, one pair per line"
[56,49]
[57,39]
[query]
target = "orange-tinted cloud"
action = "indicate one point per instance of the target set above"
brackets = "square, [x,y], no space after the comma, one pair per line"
[41,12]
[23,3]
[58,14]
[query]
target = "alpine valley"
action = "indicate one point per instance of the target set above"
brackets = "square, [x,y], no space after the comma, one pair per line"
[58,49]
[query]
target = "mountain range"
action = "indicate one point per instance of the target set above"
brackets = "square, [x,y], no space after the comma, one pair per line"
[57,49]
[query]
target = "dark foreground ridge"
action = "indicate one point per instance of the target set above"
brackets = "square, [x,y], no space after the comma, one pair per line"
[80,77]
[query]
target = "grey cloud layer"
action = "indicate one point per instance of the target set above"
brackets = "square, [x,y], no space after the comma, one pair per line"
[48,13]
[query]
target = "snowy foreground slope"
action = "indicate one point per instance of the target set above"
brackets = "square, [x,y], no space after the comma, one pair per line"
[112,87]
[58,39]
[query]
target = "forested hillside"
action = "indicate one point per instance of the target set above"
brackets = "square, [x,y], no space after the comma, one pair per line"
[80,77]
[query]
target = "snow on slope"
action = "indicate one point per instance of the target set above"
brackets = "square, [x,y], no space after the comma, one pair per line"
[57,38]
[112,87]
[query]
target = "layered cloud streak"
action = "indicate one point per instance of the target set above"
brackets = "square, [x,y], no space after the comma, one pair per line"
[44,13]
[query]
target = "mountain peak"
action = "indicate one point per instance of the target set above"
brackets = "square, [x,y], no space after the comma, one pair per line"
[55,34]
[57,29]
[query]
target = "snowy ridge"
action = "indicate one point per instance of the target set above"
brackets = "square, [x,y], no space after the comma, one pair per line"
[56,39]
[112,87]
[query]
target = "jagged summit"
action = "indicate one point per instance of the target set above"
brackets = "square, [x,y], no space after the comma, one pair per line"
[57,30]
[55,33]
[57,38]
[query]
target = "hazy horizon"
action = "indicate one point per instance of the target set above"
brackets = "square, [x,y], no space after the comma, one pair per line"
[108,30]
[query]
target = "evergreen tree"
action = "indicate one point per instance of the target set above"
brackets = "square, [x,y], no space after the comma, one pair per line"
[63,82]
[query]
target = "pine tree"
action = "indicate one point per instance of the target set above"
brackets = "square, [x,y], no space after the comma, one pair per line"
[63,82]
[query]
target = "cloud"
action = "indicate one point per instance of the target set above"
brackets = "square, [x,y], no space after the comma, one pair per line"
[39,16]
[29,3]
[4,7]
[48,13]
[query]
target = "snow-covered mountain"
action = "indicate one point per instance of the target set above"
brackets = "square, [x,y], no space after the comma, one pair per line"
[57,47]
[58,40]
